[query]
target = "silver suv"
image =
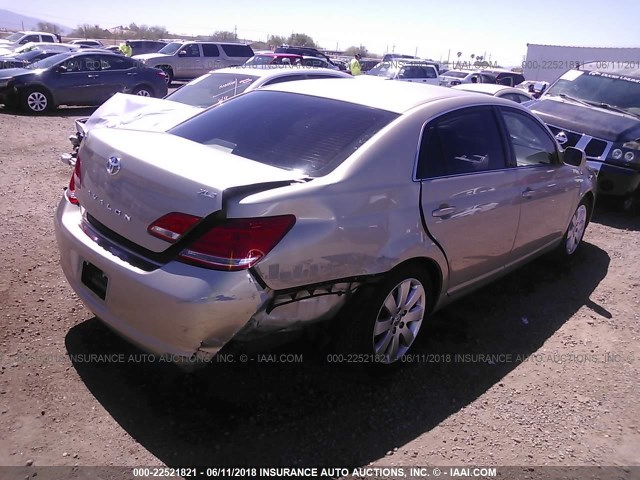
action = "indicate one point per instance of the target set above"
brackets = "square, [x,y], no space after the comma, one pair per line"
[188,60]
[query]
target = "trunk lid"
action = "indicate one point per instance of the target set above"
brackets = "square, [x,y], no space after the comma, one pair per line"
[158,173]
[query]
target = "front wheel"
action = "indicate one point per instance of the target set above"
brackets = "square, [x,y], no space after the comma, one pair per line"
[35,100]
[168,74]
[382,321]
[575,231]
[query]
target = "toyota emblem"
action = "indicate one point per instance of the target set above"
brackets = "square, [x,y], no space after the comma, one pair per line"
[113,165]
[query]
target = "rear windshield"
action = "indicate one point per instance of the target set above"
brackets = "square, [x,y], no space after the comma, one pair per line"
[212,88]
[295,132]
[454,74]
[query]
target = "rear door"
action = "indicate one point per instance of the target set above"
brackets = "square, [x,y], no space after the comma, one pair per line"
[470,197]
[548,189]
[211,55]
[117,74]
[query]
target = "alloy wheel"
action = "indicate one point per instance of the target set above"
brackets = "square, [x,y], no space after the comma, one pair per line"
[576,229]
[399,320]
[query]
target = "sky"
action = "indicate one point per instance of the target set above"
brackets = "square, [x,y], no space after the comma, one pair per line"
[497,30]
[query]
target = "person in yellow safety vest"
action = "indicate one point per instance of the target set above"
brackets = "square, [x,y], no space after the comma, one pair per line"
[354,65]
[125,48]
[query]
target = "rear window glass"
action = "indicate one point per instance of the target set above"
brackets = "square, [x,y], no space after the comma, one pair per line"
[237,50]
[211,89]
[290,131]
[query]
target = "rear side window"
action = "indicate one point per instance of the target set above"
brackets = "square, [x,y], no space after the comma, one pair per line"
[210,50]
[461,142]
[48,38]
[237,50]
[116,63]
[294,132]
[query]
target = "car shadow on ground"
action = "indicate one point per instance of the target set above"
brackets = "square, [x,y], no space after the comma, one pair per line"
[609,213]
[321,413]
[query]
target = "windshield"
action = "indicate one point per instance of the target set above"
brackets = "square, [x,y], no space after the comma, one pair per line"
[212,88]
[48,62]
[600,87]
[454,74]
[170,48]
[15,36]
[385,69]
[295,132]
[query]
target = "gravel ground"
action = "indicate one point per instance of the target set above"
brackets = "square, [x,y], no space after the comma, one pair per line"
[560,389]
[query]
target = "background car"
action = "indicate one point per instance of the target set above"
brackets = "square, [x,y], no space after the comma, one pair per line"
[263,59]
[597,107]
[78,78]
[20,38]
[140,47]
[407,71]
[87,43]
[515,94]
[285,205]
[189,60]
[220,85]
[23,59]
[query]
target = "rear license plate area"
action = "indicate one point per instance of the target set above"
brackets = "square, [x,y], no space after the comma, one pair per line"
[94,279]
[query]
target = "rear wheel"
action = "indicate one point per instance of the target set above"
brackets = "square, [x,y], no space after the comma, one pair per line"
[36,100]
[575,231]
[382,321]
[143,91]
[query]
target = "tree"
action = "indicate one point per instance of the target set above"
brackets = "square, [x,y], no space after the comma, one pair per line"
[301,40]
[362,50]
[223,36]
[260,46]
[276,40]
[48,27]
[90,31]
[459,54]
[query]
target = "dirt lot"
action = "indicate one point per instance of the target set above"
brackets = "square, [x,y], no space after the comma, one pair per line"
[563,392]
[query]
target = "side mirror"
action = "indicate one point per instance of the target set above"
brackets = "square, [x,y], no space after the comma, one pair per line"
[182,53]
[575,157]
[61,69]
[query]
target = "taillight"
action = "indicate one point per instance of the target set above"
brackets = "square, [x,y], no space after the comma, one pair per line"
[237,244]
[172,226]
[76,179]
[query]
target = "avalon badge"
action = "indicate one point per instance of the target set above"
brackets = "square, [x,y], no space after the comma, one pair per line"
[113,165]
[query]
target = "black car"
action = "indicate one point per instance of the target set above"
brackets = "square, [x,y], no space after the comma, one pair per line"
[502,77]
[140,47]
[596,108]
[24,59]
[78,78]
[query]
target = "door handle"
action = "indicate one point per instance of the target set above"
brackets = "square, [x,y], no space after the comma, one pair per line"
[443,212]
[92,76]
[131,74]
[528,193]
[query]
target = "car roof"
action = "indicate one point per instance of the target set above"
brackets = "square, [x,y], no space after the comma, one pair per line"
[460,71]
[488,88]
[395,97]
[264,71]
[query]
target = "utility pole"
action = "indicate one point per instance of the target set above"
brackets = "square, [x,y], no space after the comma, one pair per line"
[235,31]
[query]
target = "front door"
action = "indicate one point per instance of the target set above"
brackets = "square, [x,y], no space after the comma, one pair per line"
[469,194]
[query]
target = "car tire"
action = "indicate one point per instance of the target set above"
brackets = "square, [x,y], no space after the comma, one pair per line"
[572,239]
[168,72]
[143,91]
[382,320]
[35,100]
